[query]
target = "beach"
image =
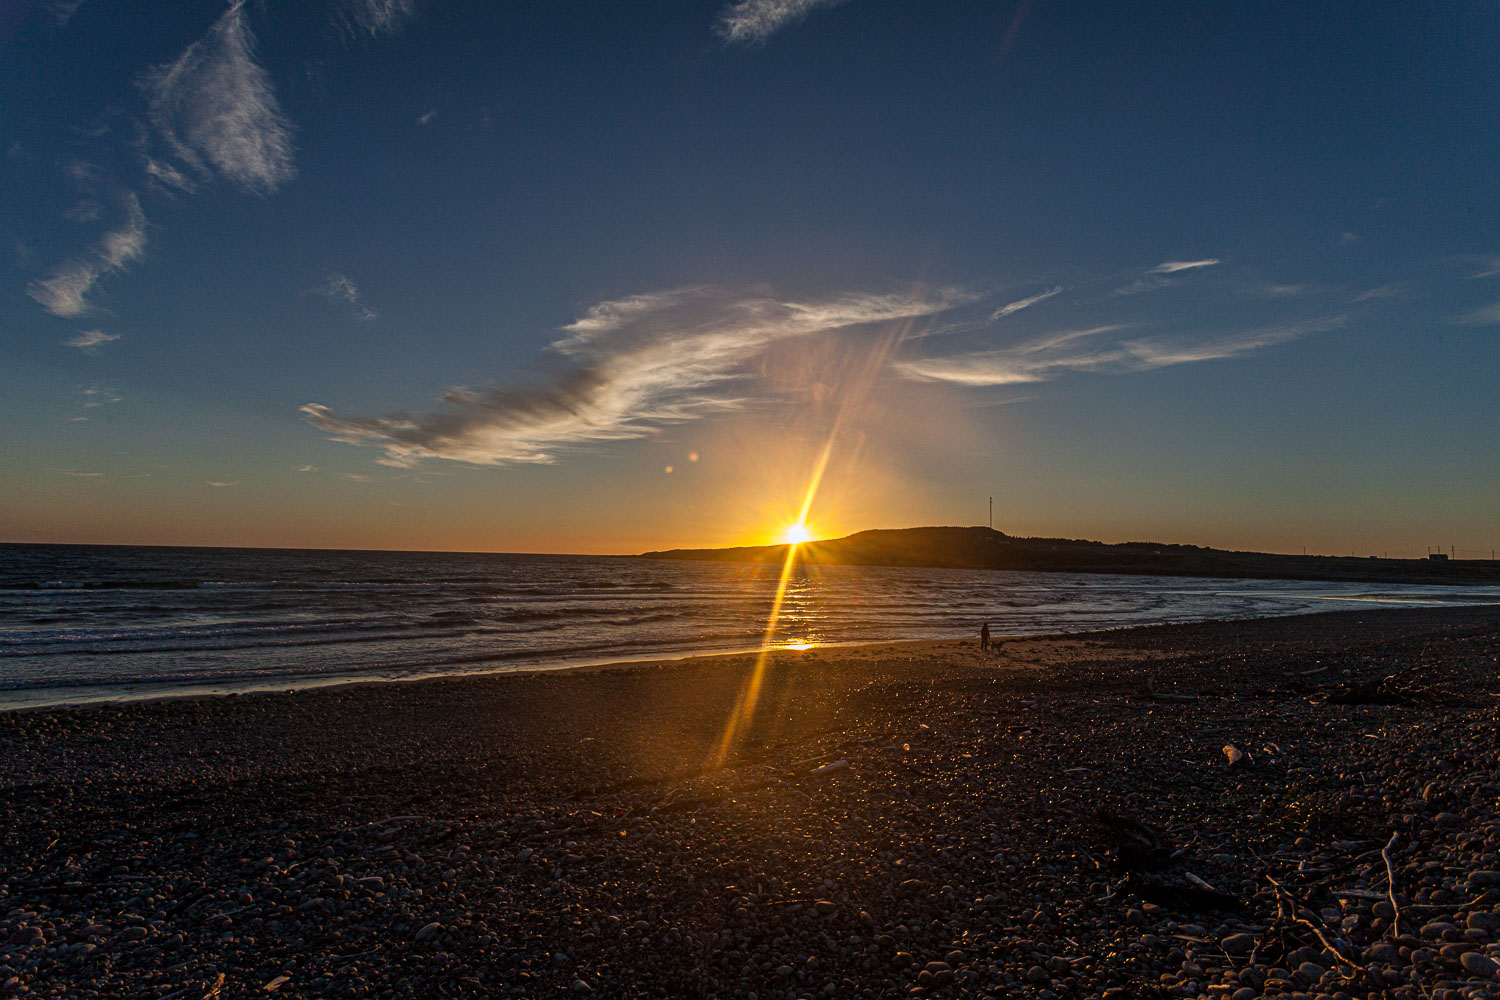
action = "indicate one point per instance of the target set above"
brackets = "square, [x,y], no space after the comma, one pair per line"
[1287,806]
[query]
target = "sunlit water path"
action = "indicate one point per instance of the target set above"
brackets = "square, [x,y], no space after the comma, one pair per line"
[83,623]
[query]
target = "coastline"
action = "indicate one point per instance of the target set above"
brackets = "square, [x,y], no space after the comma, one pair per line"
[888,812]
[150,689]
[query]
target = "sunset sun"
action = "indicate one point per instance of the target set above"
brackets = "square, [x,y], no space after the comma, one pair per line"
[796,534]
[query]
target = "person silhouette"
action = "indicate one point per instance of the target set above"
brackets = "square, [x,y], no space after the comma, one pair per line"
[984,636]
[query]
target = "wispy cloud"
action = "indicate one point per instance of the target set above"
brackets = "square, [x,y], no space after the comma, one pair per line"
[63,10]
[1381,292]
[633,365]
[1174,266]
[219,484]
[65,292]
[168,175]
[1160,276]
[337,287]
[91,340]
[426,117]
[377,16]
[1277,290]
[1489,268]
[1058,354]
[1018,305]
[216,109]
[1483,316]
[98,395]
[751,22]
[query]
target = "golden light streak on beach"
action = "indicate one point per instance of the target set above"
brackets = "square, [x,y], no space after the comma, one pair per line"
[744,710]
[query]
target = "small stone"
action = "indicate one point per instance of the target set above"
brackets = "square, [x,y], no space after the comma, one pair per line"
[1238,944]
[1477,963]
[1312,970]
[1037,974]
[1481,920]
[579,986]
[825,907]
[1485,879]
[429,931]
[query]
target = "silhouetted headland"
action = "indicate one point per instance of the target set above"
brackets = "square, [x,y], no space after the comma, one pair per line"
[985,548]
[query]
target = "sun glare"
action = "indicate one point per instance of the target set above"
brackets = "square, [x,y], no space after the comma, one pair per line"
[796,534]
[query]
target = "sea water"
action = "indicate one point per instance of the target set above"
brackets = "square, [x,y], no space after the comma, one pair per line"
[83,623]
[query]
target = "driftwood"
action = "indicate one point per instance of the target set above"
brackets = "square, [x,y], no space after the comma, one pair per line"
[1163,696]
[1390,883]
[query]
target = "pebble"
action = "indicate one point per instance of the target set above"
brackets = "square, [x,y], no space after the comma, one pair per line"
[1479,964]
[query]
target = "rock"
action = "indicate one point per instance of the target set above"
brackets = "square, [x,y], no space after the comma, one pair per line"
[1477,963]
[1481,920]
[371,883]
[1238,944]
[1485,879]
[1312,970]
[1037,974]
[429,931]
[579,986]
[825,907]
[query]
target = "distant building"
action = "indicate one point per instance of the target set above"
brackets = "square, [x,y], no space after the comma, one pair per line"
[1438,556]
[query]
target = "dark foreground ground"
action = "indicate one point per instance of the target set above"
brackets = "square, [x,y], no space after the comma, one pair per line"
[898,820]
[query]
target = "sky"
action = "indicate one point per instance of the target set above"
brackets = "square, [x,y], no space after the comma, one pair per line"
[605,277]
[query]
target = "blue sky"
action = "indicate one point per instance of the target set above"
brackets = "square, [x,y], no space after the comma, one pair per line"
[407,273]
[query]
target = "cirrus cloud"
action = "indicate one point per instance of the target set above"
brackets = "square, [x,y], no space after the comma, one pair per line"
[634,365]
[751,22]
[216,110]
[1055,355]
[65,293]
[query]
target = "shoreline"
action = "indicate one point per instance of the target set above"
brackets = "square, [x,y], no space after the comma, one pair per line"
[896,819]
[91,694]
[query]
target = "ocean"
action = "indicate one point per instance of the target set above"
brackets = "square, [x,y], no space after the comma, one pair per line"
[88,623]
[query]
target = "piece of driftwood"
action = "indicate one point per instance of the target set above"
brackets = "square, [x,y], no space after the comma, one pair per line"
[1390,882]
[1165,696]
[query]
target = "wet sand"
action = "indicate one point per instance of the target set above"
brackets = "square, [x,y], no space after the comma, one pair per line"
[1057,819]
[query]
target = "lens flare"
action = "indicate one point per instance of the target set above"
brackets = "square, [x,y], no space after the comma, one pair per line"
[743,712]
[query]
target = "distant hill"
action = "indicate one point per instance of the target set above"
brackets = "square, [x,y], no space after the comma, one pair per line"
[985,548]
